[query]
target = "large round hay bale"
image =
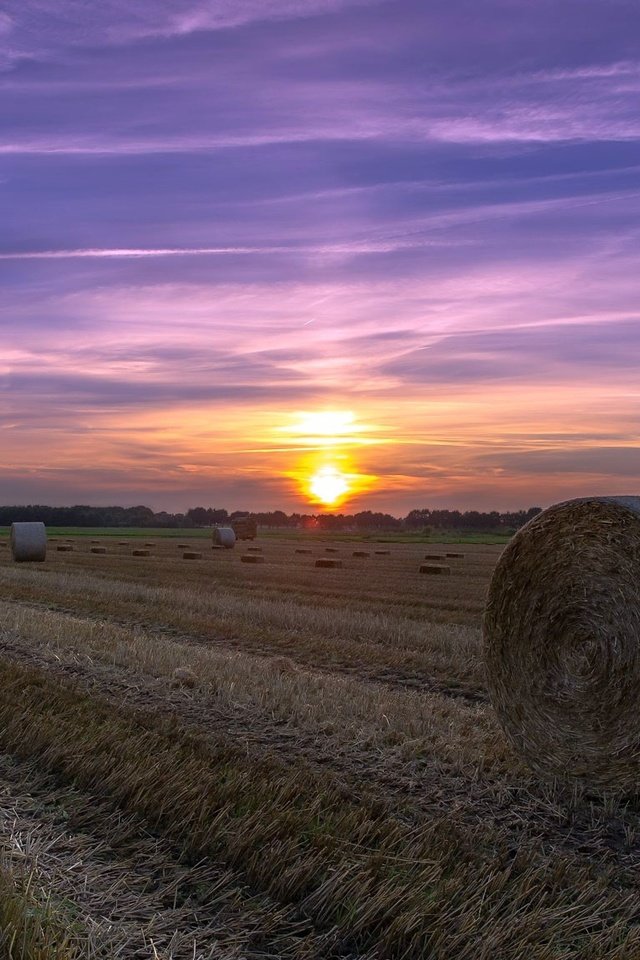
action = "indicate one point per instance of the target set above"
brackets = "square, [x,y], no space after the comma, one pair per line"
[562,641]
[224,537]
[28,542]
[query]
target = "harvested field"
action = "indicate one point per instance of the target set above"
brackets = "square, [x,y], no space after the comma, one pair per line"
[244,760]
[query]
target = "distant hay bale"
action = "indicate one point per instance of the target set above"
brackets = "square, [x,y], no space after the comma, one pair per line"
[251,558]
[95,541]
[562,641]
[327,562]
[382,553]
[183,546]
[435,569]
[254,549]
[331,550]
[224,537]
[149,544]
[360,553]
[140,553]
[28,542]
[98,549]
[454,556]
[191,555]
[123,543]
[184,677]
[433,556]
[303,550]
[64,548]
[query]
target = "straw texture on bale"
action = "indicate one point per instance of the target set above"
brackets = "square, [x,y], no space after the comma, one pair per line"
[98,549]
[435,569]
[224,537]
[562,641]
[360,553]
[191,555]
[252,558]
[28,542]
[454,556]
[141,553]
[326,562]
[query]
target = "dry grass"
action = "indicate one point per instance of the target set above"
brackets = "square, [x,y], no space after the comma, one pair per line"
[282,762]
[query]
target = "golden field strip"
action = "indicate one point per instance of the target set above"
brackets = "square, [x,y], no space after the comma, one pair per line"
[331,784]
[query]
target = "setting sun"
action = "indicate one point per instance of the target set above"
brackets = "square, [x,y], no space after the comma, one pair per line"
[328,485]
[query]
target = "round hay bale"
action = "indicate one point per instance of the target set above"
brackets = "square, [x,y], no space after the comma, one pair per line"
[184,677]
[64,548]
[140,553]
[191,555]
[562,641]
[224,537]
[327,562]
[302,550]
[28,542]
[454,556]
[435,569]
[98,549]
[360,553]
[251,558]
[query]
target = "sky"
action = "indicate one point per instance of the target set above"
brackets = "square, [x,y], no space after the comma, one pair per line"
[250,244]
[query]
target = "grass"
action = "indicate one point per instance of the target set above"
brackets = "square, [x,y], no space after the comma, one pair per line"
[335,785]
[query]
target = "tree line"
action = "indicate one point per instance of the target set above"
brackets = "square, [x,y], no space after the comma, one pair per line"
[424,519]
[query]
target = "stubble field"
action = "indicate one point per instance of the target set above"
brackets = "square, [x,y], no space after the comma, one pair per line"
[330,783]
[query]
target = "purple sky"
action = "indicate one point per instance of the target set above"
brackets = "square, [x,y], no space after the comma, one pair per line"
[222,218]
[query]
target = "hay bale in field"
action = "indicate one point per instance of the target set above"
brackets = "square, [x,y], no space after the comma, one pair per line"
[184,677]
[251,558]
[140,553]
[331,550]
[98,549]
[28,542]
[454,556]
[382,553]
[191,555]
[303,550]
[183,546]
[149,544]
[327,562]
[95,541]
[433,556]
[123,543]
[360,553]
[64,547]
[224,537]
[562,641]
[435,569]
[254,549]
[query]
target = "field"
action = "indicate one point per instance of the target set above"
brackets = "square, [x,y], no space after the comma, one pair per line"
[325,779]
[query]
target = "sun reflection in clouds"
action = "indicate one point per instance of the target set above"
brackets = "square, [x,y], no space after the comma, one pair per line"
[326,473]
